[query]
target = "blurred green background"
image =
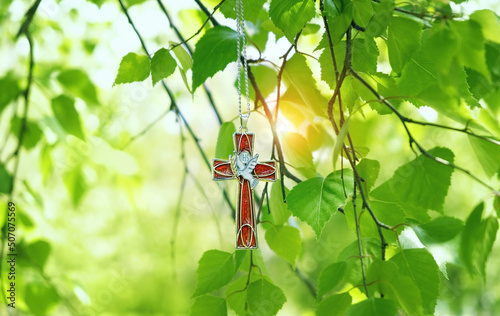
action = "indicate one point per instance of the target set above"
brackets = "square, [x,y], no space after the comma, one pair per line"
[103,231]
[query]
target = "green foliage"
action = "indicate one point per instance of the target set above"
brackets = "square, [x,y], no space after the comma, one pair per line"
[77,83]
[422,75]
[32,134]
[285,241]
[214,51]
[279,210]
[477,240]
[422,192]
[162,65]
[41,298]
[215,269]
[251,8]
[298,77]
[264,298]
[5,178]
[298,154]
[441,229]
[10,91]
[67,116]
[403,40]
[225,146]
[394,285]
[314,201]
[291,15]
[331,278]
[209,305]
[37,253]
[374,306]
[133,67]
[419,265]
[334,305]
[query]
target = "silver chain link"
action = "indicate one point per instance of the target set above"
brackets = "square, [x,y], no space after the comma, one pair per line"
[242,50]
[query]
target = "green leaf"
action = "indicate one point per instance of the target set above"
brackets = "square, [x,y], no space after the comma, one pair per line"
[209,305]
[419,73]
[40,298]
[487,154]
[385,85]
[77,82]
[374,306]
[38,252]
[386,279]
[362,11]
[368,169]
[225,146]
[32,133]
[381,18]
[298,154]
[471,51]
[291,15]
[419,185]
[403,40]
[239,256]
[133,67]
[264,298]
[5,179]
[339,17]
[298,75]
[162,65]
[285,241]
[251,8]
[441,46]
[266,78]
[46,162]
[420,266]
[441,229]
[215,269]
[477,241]
[489,24]
[279,210]
[76,185]
[364,59]
[388,213]
[186,63]
[371,250]
[314,201]
[334,305]
[331,278]
[236,295]
[214,51]
[67,116]
[10,91]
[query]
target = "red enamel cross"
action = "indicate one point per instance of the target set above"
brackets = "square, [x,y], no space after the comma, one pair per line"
[245,168]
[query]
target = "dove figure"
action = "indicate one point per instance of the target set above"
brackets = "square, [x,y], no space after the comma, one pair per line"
[245,170]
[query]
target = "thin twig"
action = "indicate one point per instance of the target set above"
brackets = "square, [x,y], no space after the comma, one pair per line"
[412,140]
[176,109]
[185,42]
[358,236]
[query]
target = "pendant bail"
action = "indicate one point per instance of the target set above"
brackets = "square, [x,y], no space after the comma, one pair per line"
[244,121]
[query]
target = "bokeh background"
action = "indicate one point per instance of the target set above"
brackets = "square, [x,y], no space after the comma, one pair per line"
[106,225]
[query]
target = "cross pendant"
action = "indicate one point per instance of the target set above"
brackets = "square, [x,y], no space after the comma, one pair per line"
[245,168]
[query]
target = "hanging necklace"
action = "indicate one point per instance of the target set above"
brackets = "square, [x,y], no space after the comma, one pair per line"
[242,165]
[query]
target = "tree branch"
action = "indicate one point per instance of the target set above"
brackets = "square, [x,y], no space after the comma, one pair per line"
[185,42]
[412,140]
[175,108]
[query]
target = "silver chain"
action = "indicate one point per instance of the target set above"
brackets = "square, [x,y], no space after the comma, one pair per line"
[242,50]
